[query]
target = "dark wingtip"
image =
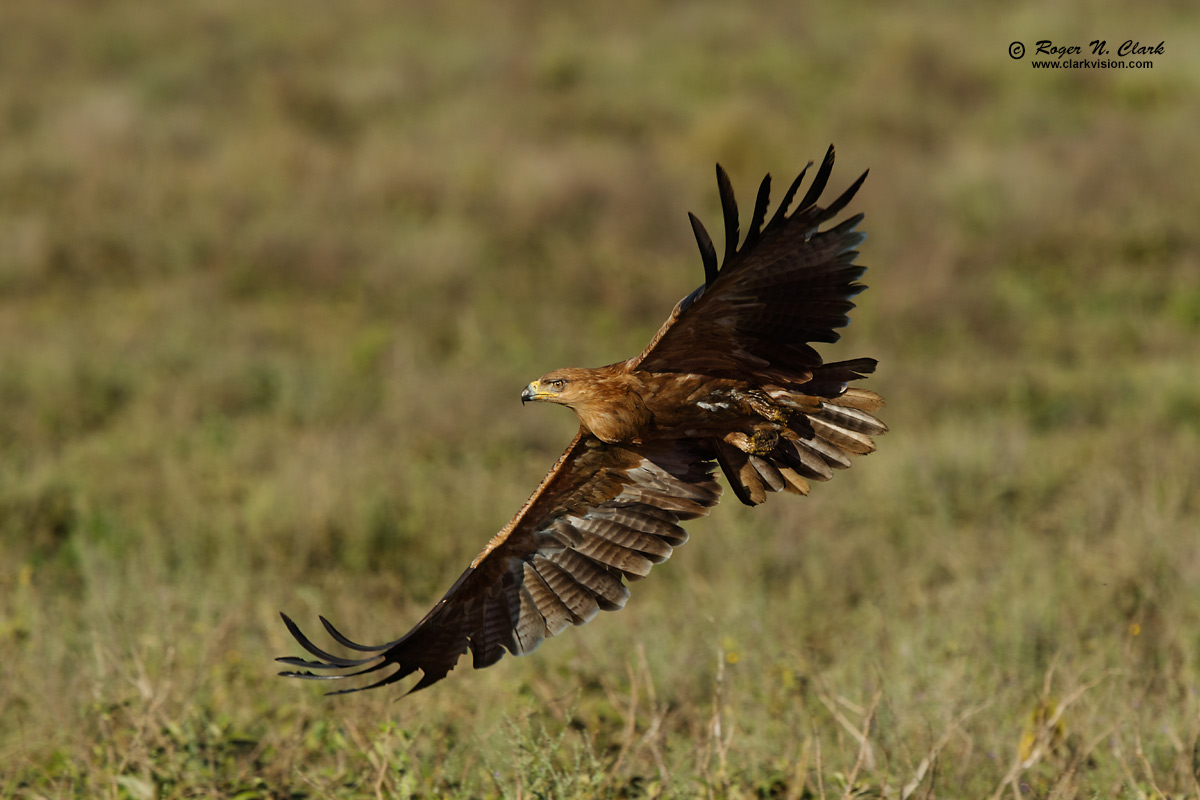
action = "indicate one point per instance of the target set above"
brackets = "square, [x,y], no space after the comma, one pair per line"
[328,660]
[341,639]
[708,253]
[729,211]
[784,204]
[845,198]
[760,211]
[820,180]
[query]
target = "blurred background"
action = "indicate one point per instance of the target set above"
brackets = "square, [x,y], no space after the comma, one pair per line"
[272,276]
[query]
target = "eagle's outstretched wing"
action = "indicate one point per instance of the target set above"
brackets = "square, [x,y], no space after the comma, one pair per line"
[754,319]
[789,284]
[602,513]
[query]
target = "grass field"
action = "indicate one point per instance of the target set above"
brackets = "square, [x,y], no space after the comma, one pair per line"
[273,275]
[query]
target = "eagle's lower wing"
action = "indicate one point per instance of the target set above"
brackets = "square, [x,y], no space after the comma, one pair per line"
[602,513]
[788,285]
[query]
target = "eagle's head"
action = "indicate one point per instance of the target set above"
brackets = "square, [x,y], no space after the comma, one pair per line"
[562,386]
[602,397]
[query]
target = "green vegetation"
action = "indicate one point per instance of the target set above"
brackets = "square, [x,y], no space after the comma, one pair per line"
[272,276]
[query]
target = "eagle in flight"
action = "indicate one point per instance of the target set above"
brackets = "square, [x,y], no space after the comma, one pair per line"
[730,380]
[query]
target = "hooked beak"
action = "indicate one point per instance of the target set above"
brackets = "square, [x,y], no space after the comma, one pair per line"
[530,392]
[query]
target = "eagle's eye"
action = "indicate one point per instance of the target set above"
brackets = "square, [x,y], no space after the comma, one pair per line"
[557,384]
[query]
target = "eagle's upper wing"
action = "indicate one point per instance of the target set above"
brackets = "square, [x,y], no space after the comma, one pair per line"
[788,285]
[602,513]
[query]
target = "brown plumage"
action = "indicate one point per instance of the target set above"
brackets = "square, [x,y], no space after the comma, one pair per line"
[730,378]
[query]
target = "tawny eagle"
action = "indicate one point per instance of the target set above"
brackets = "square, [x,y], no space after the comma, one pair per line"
[731,379]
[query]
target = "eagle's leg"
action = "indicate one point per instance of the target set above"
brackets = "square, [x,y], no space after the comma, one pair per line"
[760,441]
[762,405]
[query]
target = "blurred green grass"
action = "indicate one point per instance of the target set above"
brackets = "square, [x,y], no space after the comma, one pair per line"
[272,277]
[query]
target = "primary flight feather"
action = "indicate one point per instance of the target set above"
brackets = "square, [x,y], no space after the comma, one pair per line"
[730,380]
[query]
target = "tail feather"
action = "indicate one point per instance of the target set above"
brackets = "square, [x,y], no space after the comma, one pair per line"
[772,479]
[743,478]
[822,434]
